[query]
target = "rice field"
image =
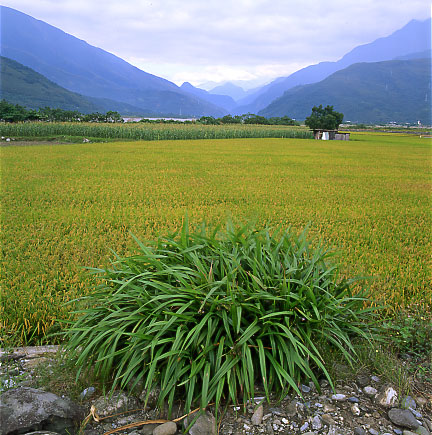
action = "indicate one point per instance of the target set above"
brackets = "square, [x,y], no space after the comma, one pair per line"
[67,207]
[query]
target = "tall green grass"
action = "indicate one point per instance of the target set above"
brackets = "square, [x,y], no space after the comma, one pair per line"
[151,131]
[211,315]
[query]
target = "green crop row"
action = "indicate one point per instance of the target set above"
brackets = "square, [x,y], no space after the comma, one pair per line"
[151,131]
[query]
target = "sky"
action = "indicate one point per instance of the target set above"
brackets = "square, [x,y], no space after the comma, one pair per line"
[202,41]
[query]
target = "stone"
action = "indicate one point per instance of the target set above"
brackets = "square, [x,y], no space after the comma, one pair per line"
[408,432]
[328,419]
[168,428]
[304,427]
[305,388]
[205,424]
[42,432]
[338,397]
[373,431]
[152,397]
[27,409]
[408,402]
[353,400]
[375,379]
[428,424]
[363,380]
[87,392]
[115,403]
[355,409]
[422,431]
[148,429]
[257,416]
[387,397]
[316,423]
[359,431]
[370,391]
[403,418]
[291,409]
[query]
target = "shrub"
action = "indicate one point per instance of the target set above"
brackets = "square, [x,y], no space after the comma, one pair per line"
[211,314]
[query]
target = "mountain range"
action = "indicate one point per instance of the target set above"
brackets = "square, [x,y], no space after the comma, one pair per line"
[42,65]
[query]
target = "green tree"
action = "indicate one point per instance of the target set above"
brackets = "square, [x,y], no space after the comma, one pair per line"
[324,118]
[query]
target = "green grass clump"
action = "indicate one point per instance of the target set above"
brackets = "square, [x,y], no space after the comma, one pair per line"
[214,314]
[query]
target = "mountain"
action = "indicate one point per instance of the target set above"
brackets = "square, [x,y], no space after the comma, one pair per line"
[223,101]
[378,92]
[414,37]
[22,85]
[79,67]
[234,91]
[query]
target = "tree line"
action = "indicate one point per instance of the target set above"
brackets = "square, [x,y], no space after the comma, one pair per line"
[15,113]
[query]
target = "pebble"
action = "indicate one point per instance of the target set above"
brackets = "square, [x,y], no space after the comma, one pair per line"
[403,418]
[353,400]
[328,419]
[338,397]
[316,423]
[304,427]
[355,409]
[422,431]
[359,431]
[373,431]
[257,416]
[375,379]
[370,391]
[408,402]
[168,428]
[305,389]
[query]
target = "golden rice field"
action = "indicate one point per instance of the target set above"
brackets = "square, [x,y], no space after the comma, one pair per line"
[66,207]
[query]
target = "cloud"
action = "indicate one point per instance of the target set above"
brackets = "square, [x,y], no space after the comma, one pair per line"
[213,39]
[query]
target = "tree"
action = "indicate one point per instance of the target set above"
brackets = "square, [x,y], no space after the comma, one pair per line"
[324,118]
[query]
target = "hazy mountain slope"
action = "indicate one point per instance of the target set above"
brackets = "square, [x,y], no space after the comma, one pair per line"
[22,85]
[376,92]
[414,37]
[80,67]
[223,101]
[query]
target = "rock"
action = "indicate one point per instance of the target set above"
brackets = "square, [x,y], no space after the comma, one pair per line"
[316,423]
[328,408]
[422,431]
[291,409]
[375,379]
[428,424]
[408,402]
[355,409]
[304,427]
[115,403]
[387,397]
[87,392]
[373,431]
[42,432]
[353,400]
[408,432]
[152,398]
[257,416]
[328,419]
[168,428]
[305,388]
[338,397]
[148,429]
[205,424]
[359,431]
[416,414]
[363,380]
[370,391]
[28,409]
[403,418]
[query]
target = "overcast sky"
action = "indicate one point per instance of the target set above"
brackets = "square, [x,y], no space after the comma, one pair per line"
[217,40]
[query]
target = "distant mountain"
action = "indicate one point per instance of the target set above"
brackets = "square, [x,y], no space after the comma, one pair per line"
[377,92]
[223,101]
[414,37]
[24,86]
[82,68]
[234,91]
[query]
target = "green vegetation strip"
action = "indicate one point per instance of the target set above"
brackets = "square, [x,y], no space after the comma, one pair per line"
[67,207]
[152,131]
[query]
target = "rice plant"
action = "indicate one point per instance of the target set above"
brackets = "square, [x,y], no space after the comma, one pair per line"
[213,314]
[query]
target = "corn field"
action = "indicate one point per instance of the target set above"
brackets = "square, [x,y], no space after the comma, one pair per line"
[140,131]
